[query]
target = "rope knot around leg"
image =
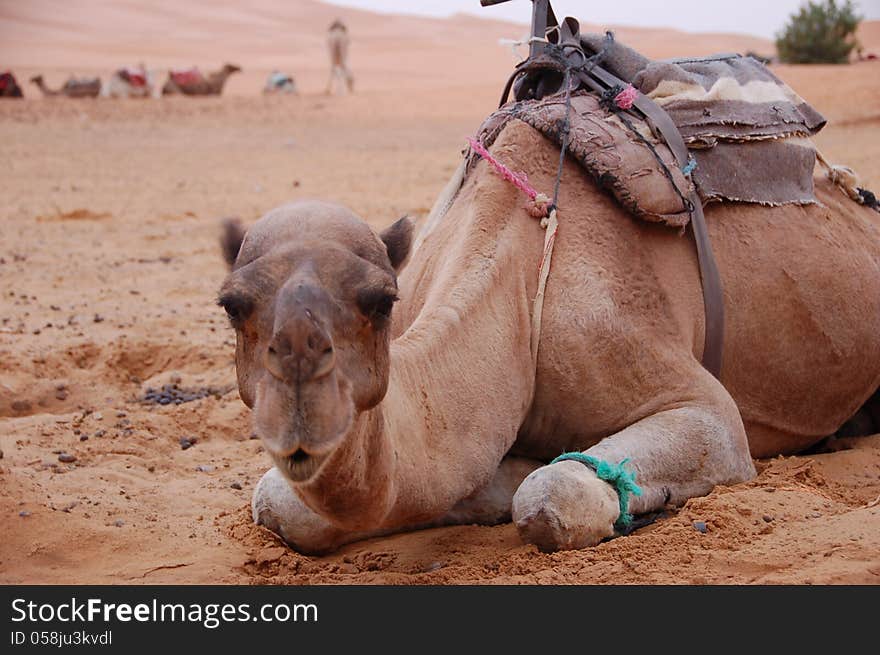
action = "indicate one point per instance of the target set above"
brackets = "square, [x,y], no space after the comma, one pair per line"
[617,475]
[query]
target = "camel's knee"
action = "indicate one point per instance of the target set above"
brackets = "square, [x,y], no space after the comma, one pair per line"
[565,506]
[682,453]
[717,445]
[276,507]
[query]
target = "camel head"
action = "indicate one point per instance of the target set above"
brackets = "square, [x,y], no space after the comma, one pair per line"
[37,79]
[231,68]
[310,294]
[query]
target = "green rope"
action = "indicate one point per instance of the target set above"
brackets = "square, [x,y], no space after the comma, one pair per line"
[623,481]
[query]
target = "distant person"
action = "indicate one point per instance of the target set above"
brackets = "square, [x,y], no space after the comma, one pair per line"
[337,44]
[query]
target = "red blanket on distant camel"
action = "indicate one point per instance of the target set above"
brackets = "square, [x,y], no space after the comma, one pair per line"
[187,76]
[134,76]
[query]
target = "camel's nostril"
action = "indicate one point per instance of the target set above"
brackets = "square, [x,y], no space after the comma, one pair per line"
[328,350]
[272,350]
[299,456]
[311,342]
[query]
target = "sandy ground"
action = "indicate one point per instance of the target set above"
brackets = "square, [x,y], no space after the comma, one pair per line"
[109,267]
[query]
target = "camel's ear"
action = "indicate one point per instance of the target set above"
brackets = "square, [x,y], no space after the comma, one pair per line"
[230,241]
[398,239]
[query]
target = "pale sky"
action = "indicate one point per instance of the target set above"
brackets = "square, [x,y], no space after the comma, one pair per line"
[758,17]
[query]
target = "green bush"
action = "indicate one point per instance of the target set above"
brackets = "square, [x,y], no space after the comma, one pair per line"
[820,33]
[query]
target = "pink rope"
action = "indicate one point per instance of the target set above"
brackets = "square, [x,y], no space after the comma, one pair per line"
[625,98]
[519,180]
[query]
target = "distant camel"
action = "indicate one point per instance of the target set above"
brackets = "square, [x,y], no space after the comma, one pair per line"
[337,43]
[82,87]
[191,82]
[9,86]
[129,83]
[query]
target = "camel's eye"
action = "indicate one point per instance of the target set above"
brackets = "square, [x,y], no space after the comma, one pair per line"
[384,306]
[376,304]
[238,308]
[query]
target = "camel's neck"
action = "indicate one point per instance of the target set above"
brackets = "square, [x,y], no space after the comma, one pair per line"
[218,80]
[45,90]
[461,376]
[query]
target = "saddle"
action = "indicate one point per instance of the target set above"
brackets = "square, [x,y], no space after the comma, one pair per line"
[134,76]
[186,76]
[83,86]
[7,81]
[666,137]
[746,132]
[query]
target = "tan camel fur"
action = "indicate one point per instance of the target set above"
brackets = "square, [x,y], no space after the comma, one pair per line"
[210,85]
[337,46]
[437,415]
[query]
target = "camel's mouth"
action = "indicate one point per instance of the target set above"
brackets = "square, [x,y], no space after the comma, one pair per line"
[300,466]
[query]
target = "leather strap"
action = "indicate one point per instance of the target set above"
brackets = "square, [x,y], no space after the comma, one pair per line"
[713,294]
[567,36]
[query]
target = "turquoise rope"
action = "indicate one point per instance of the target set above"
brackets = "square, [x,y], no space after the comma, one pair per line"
[623,481]
[691,165]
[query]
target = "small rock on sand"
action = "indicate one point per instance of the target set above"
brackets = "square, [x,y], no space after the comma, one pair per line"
[236,486]
[66,458]
[187,442]
[700,526]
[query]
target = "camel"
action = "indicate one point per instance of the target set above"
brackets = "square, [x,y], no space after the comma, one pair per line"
[279,83]
[337,45]
[83,87]
[9,86]
[129,83]
[393,398]
[191,82]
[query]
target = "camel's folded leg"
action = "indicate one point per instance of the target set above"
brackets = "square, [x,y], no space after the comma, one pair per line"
[276,506]
[676,453]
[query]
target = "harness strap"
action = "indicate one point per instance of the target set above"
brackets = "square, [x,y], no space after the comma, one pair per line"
[713,296]
[588,71]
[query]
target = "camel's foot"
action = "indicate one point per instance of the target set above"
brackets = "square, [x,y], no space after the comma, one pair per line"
[276,506]
[564,506]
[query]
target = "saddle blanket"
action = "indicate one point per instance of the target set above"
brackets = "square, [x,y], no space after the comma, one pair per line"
[748,132]
[186,76]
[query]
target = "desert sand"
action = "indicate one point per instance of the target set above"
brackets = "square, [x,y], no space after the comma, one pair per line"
[109,266]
